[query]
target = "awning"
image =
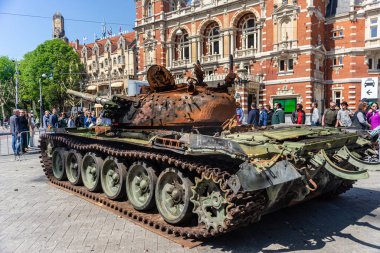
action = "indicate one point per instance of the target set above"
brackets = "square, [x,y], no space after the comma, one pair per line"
[98,106]
[91,87]
[117,84]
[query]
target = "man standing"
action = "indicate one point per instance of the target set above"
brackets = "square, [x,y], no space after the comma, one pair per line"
[45,120]
[53,120]
[279,115]
[314,114]
[330,115]
[14,129]
[344,116]
[253,115]
[298,115]
[263,121]
[270,114]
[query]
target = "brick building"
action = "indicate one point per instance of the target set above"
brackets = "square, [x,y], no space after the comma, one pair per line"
[108,62]
[291,51]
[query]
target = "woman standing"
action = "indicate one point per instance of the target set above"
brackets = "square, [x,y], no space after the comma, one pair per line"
[373,116]
[360,120]
[239,113]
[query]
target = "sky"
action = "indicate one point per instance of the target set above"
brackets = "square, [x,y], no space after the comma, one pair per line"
[20,34]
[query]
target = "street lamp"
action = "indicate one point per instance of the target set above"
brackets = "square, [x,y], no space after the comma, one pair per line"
[41,112]
[109,85]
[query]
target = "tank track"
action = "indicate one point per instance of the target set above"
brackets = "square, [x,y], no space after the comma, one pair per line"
[246,207]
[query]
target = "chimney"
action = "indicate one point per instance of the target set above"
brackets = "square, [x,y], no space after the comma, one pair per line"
[76,44]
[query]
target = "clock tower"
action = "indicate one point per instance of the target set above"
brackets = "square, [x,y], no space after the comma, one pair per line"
[59,27]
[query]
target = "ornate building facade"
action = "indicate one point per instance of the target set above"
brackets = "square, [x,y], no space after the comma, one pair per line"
[109,62]
[291,51]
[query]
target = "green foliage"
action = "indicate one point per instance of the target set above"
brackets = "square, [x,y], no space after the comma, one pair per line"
[60,63]
[7,85]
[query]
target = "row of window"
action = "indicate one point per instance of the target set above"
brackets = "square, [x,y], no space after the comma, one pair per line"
[246,38]
[118,60]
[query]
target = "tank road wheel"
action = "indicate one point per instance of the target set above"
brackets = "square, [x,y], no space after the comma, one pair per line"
[73,167]
[173,192]
[141,181]
[113,178]
[210,203]
[90,171]
[58,159]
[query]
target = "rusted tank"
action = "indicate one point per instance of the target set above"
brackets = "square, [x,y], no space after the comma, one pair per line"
[165,162]
[165,105]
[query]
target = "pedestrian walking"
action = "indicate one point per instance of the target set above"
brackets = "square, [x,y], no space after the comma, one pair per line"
[253,116]
[239,114]
[279,115]
[270,114]
[298,115]
[314,118]
[344,116]
[53,119]
[263,119]
[14,130]
[330,115]
[359,119]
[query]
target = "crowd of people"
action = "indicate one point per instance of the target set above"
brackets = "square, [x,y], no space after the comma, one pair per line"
[23,125]
[366,116]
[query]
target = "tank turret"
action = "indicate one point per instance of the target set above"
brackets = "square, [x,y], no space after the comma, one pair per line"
[168,105]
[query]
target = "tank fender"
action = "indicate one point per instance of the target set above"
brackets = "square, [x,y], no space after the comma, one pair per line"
[322,159]
[250,180]
[345,154]
[209,144]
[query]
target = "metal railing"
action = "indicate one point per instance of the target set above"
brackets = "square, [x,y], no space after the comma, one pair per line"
[31,146]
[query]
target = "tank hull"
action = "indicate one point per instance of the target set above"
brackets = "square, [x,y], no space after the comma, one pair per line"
[236,195]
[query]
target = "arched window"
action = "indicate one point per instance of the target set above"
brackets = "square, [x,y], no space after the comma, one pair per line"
[119,59]
[212,39]
[114,60]
[247,35]
[182,46]
[149,10]
[106,62]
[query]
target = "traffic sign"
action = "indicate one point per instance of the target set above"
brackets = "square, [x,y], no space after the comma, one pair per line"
[370,88]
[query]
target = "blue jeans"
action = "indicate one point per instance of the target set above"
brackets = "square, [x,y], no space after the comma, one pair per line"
[315,123]
[16,143]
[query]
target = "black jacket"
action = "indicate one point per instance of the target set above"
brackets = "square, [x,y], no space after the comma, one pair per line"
[253,117]
[295,116]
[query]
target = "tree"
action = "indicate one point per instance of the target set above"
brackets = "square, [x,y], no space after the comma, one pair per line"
[7,84]
[60,63]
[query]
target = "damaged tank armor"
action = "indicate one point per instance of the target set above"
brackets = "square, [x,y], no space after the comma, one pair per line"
[166,161]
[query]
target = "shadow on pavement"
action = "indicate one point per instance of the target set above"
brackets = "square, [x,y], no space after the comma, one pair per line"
[308,226]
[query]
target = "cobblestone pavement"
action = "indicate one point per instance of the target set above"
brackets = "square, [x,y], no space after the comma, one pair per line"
[36,217]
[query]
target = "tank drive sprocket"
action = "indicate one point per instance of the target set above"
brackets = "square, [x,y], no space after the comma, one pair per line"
[211,202]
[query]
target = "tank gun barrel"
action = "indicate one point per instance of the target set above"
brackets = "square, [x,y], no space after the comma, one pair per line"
[89,97]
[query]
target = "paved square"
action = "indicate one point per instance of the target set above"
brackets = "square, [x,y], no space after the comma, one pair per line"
[36,217]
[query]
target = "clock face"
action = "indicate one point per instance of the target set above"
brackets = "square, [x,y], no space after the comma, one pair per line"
[57,22]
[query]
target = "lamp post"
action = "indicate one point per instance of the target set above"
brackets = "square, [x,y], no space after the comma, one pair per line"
[41,112]
[109,85]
